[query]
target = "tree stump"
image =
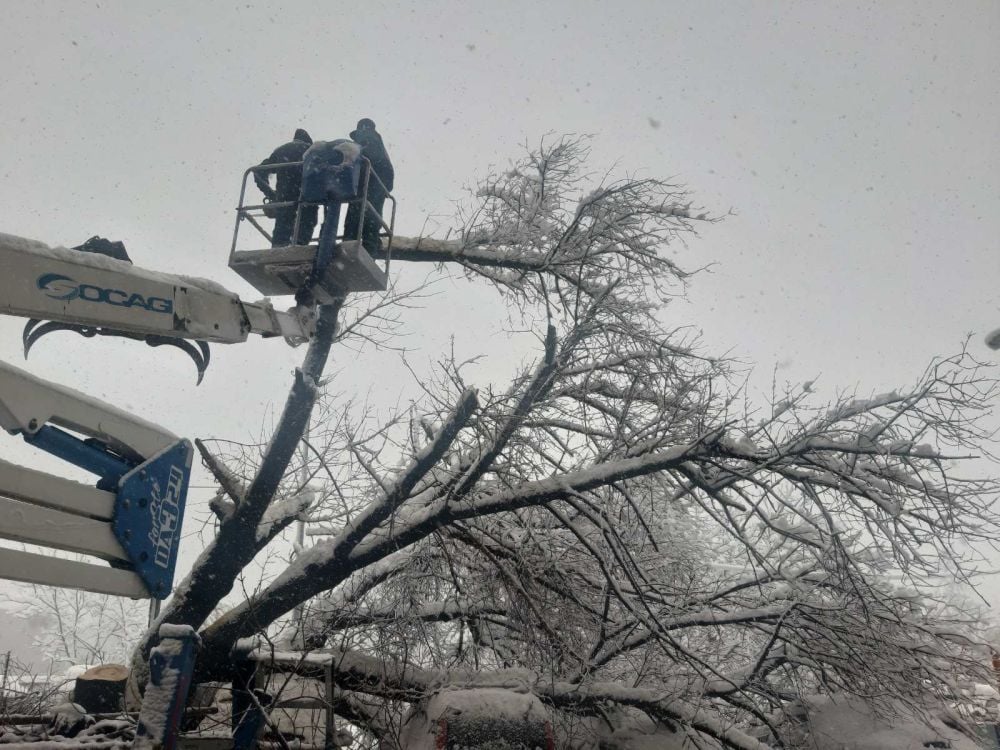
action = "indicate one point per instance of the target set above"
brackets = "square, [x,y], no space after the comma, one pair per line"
[101,689]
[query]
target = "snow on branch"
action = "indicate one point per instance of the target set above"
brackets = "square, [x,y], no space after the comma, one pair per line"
[445,611]
[279,515]
[421,521]
[544,217]
[228,481]
[379,510]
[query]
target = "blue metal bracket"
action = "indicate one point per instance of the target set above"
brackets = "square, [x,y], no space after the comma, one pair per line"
[149,504]
[109,467]
[149,510]
[328,177]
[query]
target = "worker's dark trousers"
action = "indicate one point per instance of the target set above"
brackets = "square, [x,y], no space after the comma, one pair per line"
[369,233]
[284,224]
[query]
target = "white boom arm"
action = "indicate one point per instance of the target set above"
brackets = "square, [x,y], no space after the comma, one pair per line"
[89,289]
[28,403]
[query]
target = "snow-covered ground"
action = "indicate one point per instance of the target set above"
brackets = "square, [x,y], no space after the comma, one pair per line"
[844,723]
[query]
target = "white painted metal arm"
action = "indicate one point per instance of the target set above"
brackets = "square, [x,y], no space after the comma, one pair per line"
[27,403]
[28,567]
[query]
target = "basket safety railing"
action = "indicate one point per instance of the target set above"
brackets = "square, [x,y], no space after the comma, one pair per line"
[253,212]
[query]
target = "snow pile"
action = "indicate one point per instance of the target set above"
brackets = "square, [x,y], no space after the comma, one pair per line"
[623,729]
[477,717]
[22,244]
[170,630]
[106,263]
[69,727]
[846,723]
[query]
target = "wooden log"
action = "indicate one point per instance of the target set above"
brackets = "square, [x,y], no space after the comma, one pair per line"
[101,689]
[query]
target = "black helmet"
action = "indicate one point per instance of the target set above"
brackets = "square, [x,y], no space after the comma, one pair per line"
[302,135]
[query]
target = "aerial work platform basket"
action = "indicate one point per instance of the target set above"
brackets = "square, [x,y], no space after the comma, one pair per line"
[332,265]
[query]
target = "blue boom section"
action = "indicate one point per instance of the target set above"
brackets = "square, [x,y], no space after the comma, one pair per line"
[149,511]
[171,667]
[149,504]
[328,174]
[329,179]
[87,455]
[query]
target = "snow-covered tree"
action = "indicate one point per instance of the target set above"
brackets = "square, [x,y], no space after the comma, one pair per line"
[614,527]
[76,627]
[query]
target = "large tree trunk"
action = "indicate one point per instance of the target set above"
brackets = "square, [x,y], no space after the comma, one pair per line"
[392,679]
[239,539]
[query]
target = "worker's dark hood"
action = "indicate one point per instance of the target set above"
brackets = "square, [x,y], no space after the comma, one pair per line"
[365,136]
[301,135]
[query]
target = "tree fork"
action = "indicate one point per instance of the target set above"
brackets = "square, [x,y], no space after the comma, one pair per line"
[219,566]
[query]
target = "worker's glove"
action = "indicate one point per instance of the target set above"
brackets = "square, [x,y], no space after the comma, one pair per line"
[269,212]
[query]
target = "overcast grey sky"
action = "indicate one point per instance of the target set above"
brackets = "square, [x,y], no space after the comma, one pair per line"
[855,143]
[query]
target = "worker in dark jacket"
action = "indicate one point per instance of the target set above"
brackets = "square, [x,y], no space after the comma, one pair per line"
[288,184]
[374,150]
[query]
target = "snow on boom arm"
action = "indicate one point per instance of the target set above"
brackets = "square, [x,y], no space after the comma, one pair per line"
[132,519]
[95,294]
